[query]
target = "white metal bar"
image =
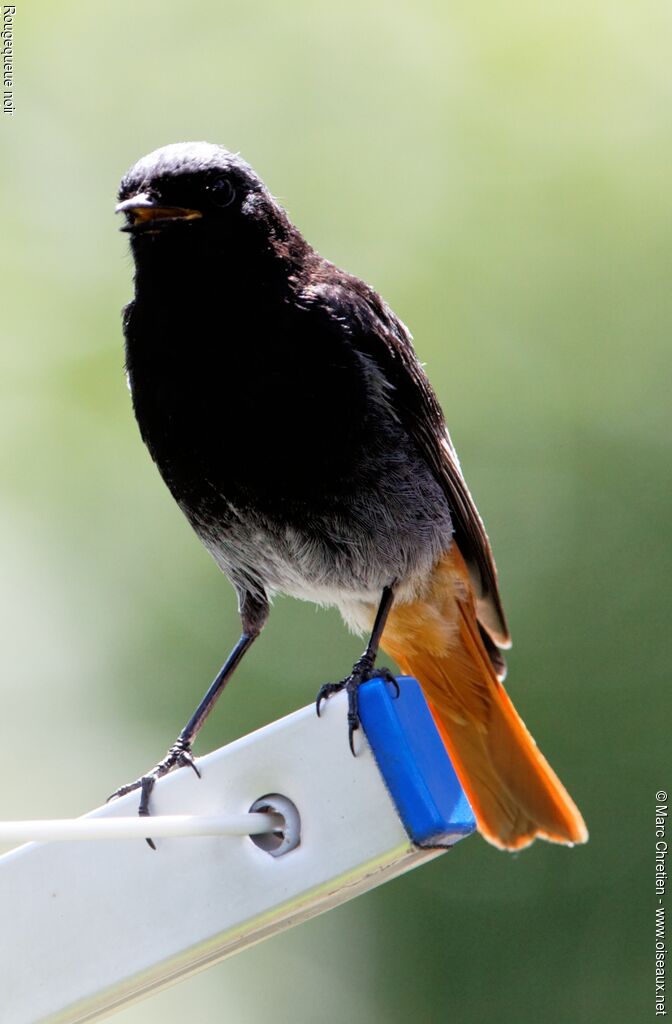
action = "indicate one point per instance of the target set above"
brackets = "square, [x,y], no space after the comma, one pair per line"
[168,826]
[94,927]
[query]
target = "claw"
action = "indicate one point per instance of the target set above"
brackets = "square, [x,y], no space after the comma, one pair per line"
[353,714]
[362,671]
[186,760]
[351,738]
[123,790]
[179,756]
[325,692]
[387,675]
[146,786]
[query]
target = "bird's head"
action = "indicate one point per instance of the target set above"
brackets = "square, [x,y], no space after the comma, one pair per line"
[192,185]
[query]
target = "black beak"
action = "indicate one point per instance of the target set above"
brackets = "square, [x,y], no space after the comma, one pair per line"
[142,209]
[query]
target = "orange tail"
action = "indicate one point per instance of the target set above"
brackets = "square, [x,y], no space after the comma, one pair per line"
[514,793]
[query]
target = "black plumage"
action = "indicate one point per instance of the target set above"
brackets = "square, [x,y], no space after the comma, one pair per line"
[283,402]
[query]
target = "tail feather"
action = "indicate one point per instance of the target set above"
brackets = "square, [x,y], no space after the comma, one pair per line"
[515,794]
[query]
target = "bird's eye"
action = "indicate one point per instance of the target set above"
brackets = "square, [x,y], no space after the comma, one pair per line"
[222,192]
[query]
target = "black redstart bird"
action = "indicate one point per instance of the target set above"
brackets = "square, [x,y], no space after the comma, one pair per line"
[286,410]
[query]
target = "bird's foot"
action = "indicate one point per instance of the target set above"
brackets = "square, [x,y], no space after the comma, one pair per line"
[179,756]
[362,671]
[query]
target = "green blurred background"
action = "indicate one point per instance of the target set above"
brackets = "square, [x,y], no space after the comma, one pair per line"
[501,172]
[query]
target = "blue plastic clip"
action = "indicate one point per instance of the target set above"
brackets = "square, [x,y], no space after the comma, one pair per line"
[414,763]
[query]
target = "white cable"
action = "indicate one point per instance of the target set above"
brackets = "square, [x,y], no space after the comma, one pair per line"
[162,826]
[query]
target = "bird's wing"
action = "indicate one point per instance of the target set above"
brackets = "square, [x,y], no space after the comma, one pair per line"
[375,332]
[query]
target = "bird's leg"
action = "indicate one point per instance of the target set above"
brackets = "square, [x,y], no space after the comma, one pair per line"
[253,614]
[363,669]
[180,755]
